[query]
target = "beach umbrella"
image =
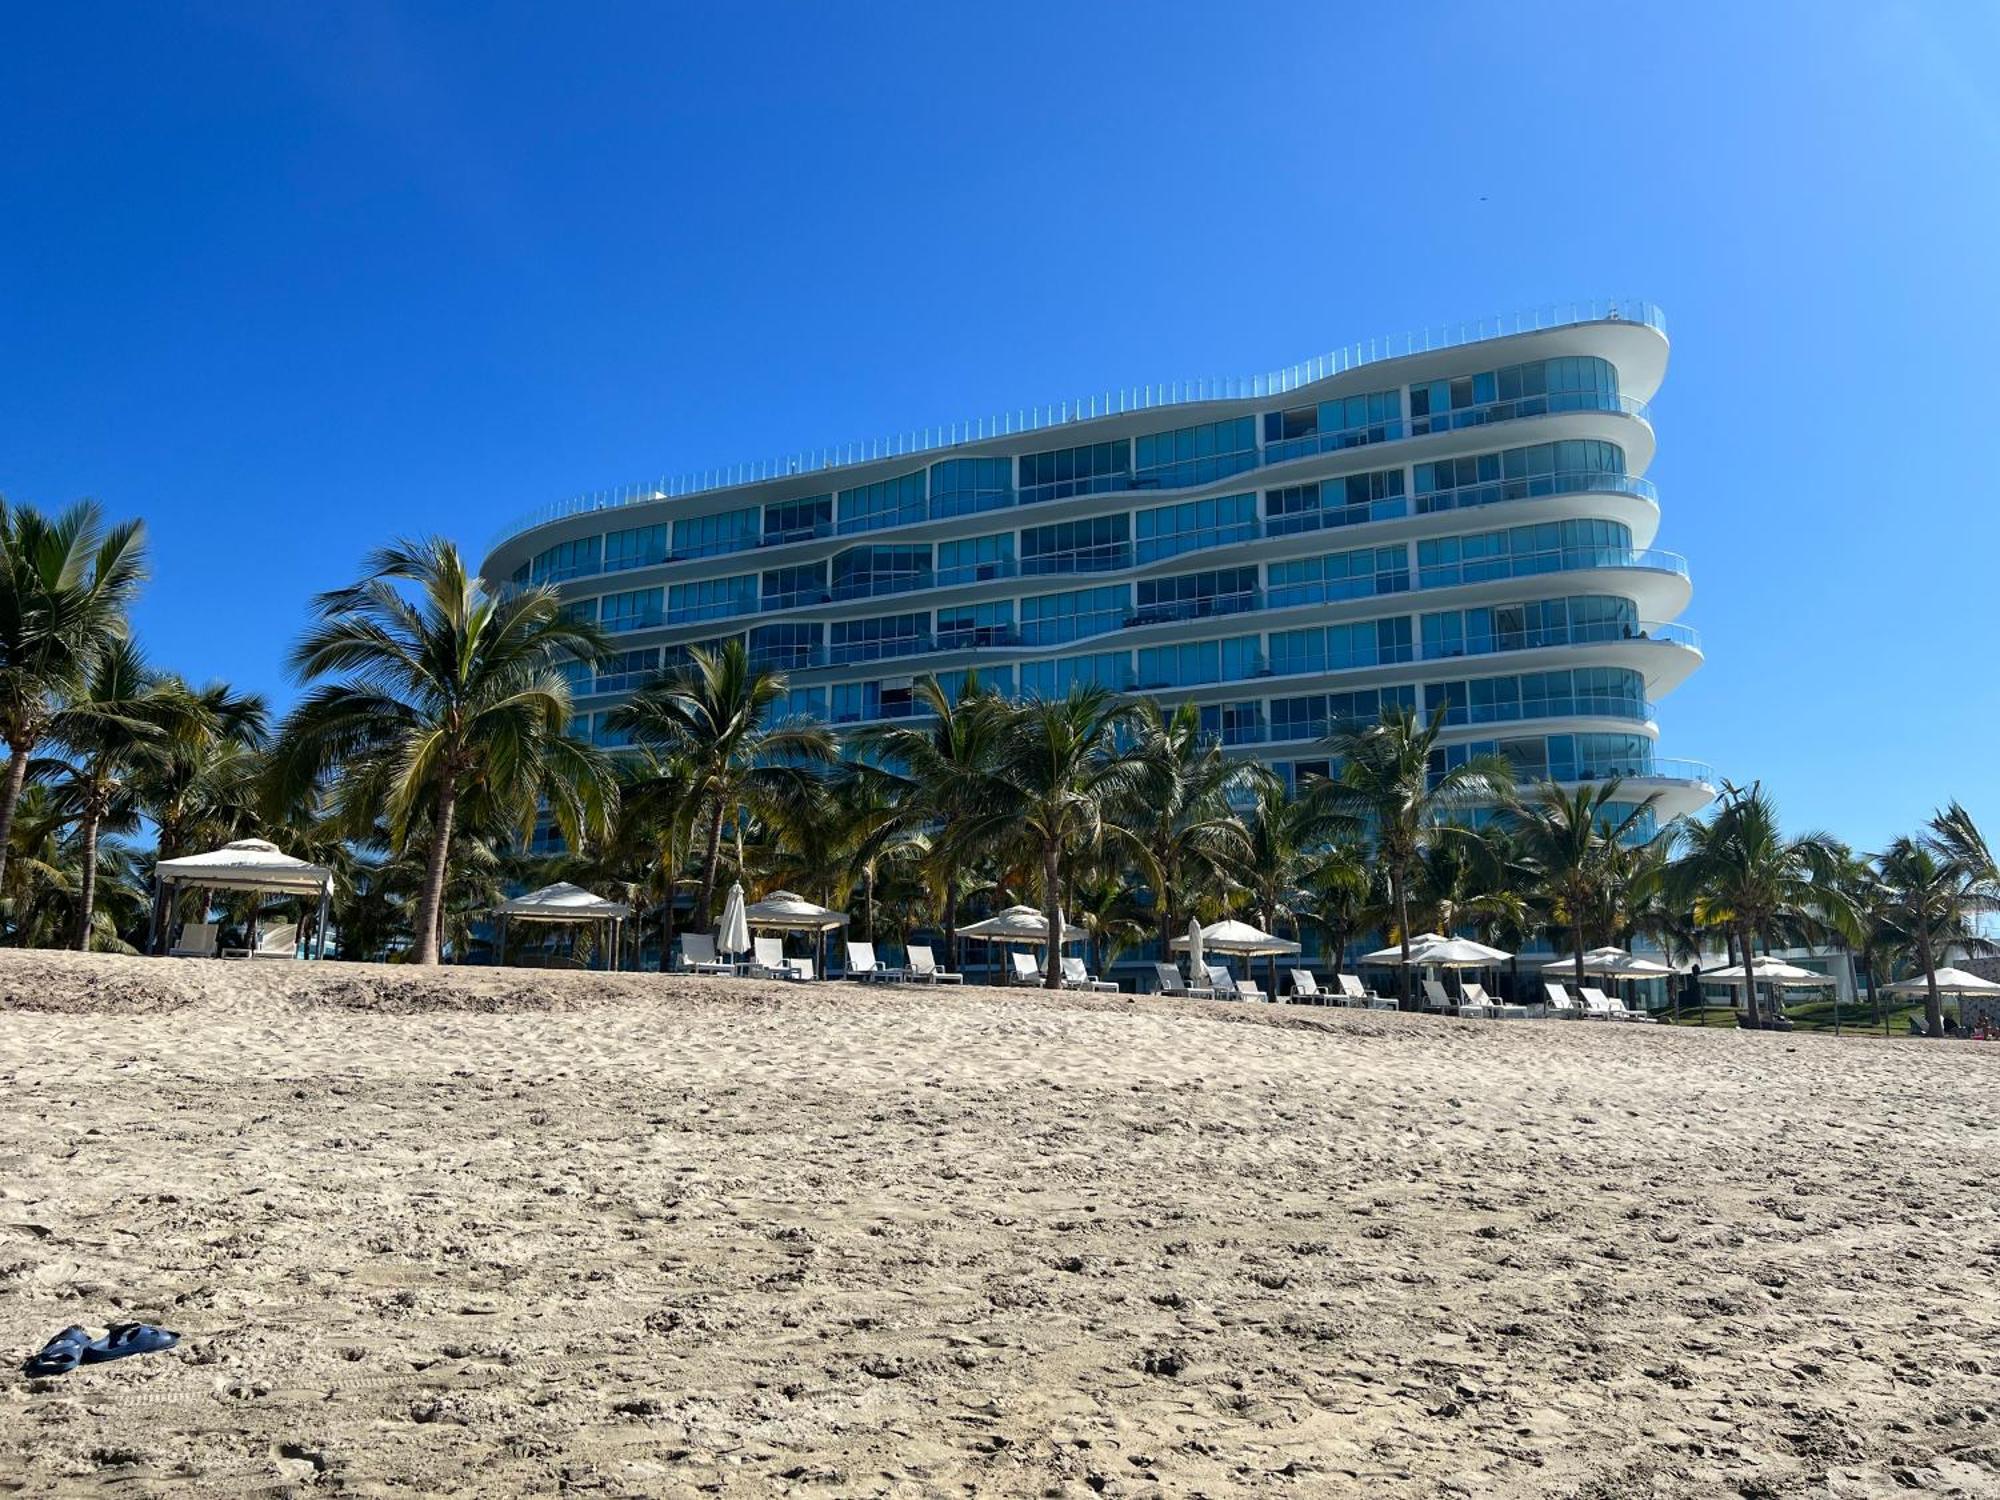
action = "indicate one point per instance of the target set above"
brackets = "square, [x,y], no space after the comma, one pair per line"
[1020,926]
[1460,953]
[1197,974]
[733,936]
[1604,961]
[1765,969]
[1393,954]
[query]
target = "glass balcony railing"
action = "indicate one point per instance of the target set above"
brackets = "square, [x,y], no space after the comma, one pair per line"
[1594,633]
[1284,450]
[1548,404]
[1535,487]
[1577,705]
[1569,559]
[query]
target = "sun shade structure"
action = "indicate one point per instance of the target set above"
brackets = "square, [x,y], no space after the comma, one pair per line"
[1020,924]
[786,911]
[1765,969]
[1459,953]
[1240,939]
[564,903]
[1614,963]
[1949,982]
[1393,954]
[246,865]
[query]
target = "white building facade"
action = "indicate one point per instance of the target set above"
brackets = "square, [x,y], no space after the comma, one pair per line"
[1457,519]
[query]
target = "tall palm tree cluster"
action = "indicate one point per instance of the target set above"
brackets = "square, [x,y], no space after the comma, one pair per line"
[432,761]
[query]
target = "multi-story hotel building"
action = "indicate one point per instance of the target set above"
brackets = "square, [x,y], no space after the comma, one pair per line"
[1456,519]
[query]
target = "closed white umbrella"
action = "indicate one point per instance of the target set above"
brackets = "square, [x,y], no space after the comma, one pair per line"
[1197,974]
[733,937]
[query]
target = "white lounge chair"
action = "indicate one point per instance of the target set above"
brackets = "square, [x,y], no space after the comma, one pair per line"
[1595,1006]
[770,961]
[1306,990]
[698,955]
[1171,983]
[1228,987]
[1437,999]
[1620,1011]
[1560,1006]
[923,967]
[279,942]
[863,965]
[1076,976]
[1353,992]
[1477,994]
[197,941]
[1027,968]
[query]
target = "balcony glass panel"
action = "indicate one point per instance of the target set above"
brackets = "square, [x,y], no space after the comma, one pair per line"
[712,536]
[1189,456]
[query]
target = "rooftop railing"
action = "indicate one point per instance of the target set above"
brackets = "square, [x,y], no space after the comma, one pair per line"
[932,440]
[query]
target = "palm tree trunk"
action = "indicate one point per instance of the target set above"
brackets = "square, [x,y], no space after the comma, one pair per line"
[1577,929]
[710,862]
[1874,995]
[87,895]
[666,929]
[1052,909]
[1403,926]
[950,908]
[1750,979]
[431,910]
[10,795]
[1933,1005]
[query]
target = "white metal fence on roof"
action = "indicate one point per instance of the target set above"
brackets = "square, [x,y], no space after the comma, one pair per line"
[1088,408]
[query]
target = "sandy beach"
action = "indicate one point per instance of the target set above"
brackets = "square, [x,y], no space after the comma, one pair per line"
[499,1233]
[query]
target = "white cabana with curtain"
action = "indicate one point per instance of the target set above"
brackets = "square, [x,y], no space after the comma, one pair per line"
[255,865]
[1239,940]
[566,904]
[1022,927]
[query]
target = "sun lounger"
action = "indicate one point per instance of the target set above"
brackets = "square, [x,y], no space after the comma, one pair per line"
[698,955]
[1228,987]
[1620,1011]
[1171,983]
[1477,994]
[1027,968]
[1595,1006]
[770,961]
[197,941]
[1353,992]
[279,942]
[1436,999]
[1306,990]
[1560,1007]
[922,966]
[863,965]
[1075,976]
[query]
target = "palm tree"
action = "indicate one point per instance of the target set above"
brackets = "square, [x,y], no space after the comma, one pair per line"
[1567,841]
[1740,872]
[1930,888]
[117,725]
[719,717]
[448,694]
[65,585]
[1181,812]
[657,809]
[942,775]
[1064,766]
[1384,777]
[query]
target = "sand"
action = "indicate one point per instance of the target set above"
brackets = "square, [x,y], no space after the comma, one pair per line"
[515,1233]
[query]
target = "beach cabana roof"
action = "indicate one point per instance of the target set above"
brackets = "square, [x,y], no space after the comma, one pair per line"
[1765,969]
[785,911]
[1393,954]
[1020,924]
[1240,939]
[1949,982]
[1460,953]
[1614,962]
[246,865]
[562,902]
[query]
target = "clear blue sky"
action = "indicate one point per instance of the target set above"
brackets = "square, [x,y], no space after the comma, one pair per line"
[287,280]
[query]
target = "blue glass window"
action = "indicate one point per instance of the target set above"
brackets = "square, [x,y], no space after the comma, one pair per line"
[1607,692]
[1185,664]
[641,609]
[1234,723]
[1517,474]
[964,486]
[1522,551]
[861,571]
[1053,679]
[1169,530]
[583,611]
[1296,651]
[1195,455]
[1360,574]
[1052,619]
[711,536]
[635,547]
[1346,422]
[797,520]
[1091,469]
[996,679]
[806,703]
[873,639]
[968,626]
[1571,383]
[785,587]
[1095,544]
[976,559]
[577,559]
[623,671]
[1192,596]
[710,599]
[786,647]
[889,502]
